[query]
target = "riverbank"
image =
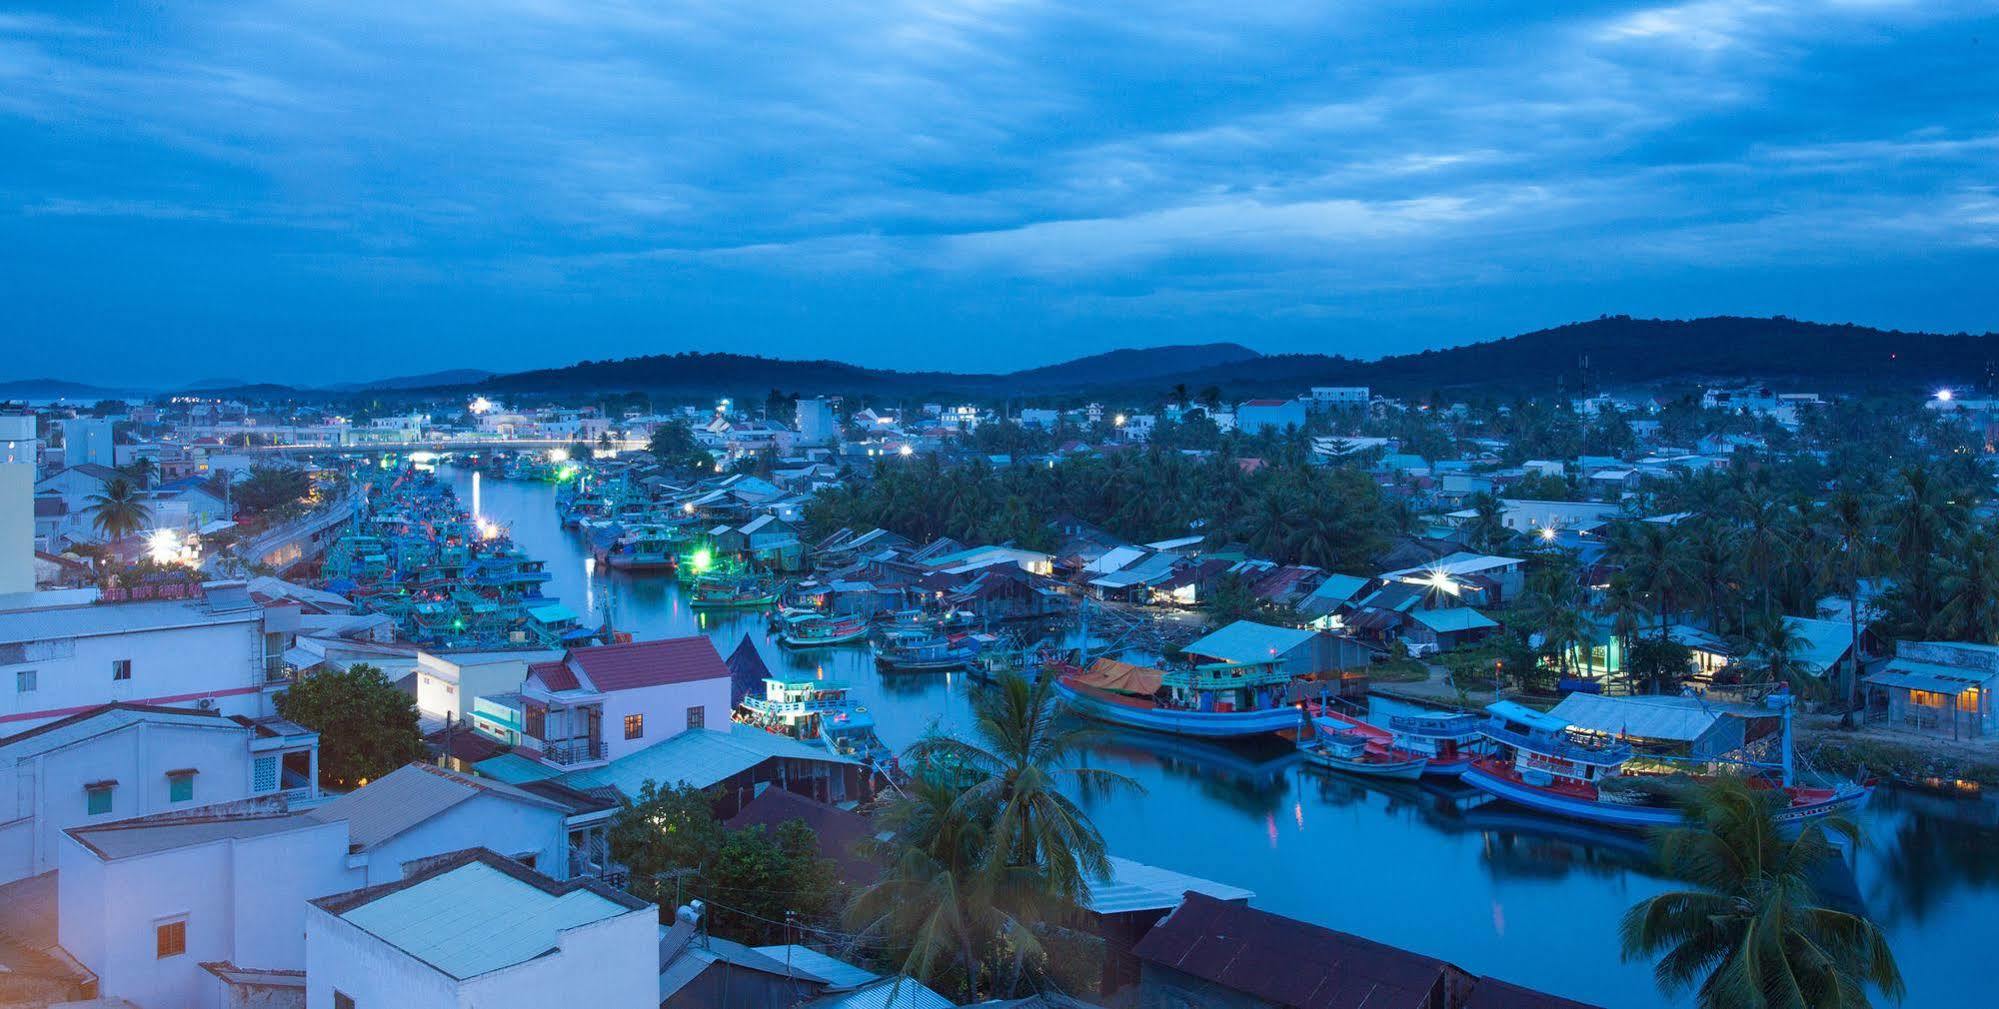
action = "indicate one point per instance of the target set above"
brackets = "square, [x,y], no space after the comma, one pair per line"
[1918,761]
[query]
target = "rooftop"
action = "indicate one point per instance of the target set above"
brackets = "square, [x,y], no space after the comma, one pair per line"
[697,757]
[147,835]
[1246,641]
[632,665]
[83,620]
[409,795]
[477,912]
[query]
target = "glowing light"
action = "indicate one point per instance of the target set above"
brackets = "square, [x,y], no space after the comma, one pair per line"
[1945,395]
[1118,420]
[906,450]
[688,507]
[164,546]
[558,455]
[1548,535]
[480,404]
[703,560]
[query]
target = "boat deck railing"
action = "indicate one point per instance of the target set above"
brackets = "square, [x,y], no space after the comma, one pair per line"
[1560,747]
[1431,727]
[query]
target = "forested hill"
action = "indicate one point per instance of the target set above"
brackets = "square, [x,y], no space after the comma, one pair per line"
[1614,351]
[1622,351]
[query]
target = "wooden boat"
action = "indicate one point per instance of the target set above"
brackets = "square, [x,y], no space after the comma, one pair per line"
[1355,754]
[732,593]
[1448,741]
[646,550]
[1215,703]
[1539,763]
[818,712]
[813,630]
[924,652]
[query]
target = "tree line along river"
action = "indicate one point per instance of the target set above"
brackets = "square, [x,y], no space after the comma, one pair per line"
[1493,889]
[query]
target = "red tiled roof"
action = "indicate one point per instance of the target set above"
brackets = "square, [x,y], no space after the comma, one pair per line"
[554,676]
[635,664]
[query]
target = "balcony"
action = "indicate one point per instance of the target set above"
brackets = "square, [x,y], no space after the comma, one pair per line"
[570,752]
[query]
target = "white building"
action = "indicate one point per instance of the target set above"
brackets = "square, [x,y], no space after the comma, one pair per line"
[1259,415]
[17,503]
[156,906]
[1338,397]
[419,810]
[448,682]
[88,440]
[816,422]
[144,903]
[119,761]
[64,652]
[480,930]
[598,704]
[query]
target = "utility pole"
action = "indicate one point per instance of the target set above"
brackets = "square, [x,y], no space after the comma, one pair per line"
[676,875]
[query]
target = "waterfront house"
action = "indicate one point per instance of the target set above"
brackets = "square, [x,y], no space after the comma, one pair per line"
[604,702]
[1940,688]
[1443,630]
[419,810]
[1296,651]
[479,929]
[117,761]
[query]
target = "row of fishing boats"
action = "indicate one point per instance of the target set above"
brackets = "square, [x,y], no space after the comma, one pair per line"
[904,642]
[1515,753]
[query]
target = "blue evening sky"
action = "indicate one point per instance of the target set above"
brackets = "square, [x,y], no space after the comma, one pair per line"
[314,191]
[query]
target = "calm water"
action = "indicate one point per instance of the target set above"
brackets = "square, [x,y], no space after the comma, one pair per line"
[1489,888]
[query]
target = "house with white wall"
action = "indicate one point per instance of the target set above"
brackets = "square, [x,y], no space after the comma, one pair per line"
[118,761]
[447,682]
[600,703]
[152,905]
[419,810]
[210,645]
[481,930]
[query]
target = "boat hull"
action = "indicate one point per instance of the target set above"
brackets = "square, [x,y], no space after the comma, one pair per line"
[1633,817]
[635,565]
[1398,770]
[791,641]
[1204,724]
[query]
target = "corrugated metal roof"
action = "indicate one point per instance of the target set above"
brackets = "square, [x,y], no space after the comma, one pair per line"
[697,757]
[110,718]
[475,919]
[1459,618]
[888,993]
[1136,886]
[1680,719]
[838,974]
[409,795]
[1247,642]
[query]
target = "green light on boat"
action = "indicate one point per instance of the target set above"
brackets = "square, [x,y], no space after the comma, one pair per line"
[703,560]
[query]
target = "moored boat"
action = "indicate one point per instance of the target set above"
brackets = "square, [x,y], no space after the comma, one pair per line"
[926,652]
[732,593]
[1356,754]
[1539,763]
[818,712]
[813,630]
[1216,701]
[1448,741]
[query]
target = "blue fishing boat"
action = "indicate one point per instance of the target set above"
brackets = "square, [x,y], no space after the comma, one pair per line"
[1541,763]
[1218,700]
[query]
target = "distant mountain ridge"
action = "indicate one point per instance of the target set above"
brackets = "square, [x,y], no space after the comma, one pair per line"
[1608,352]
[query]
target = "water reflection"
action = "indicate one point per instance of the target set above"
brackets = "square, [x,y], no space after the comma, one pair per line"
[1434,868]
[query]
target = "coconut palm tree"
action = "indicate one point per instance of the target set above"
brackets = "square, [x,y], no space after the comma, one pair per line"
[986,844]
[117,511]
[1969,590]
[141,470]
[1751,934]
[1770,654]
[1848,520]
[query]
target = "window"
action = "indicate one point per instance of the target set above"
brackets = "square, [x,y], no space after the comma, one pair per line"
[180,786]
[697,717]
[170,938]
[97,798]
[635,726]
[264,775]
[25,681]
[342,1000]
[121,669]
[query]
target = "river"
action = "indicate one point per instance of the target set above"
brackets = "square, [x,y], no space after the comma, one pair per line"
[1490,888]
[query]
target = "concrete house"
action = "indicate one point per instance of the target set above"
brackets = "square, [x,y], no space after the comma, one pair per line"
[477,929]
[118,761]
[601,703]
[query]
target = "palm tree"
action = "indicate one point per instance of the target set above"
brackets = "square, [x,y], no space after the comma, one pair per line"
[1486,528]
[1751,935]
[1969,590]
[117,511]
[1771,653]
[141,470]
[1849,521]
[1655,559]
[986,844]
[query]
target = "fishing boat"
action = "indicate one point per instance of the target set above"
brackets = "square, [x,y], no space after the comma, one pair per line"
[1356,754]
[818,712]
[1448,741]
[732,593]
[814,630]
[917,651]
[646,549]
[1218,700]
[1540,762]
